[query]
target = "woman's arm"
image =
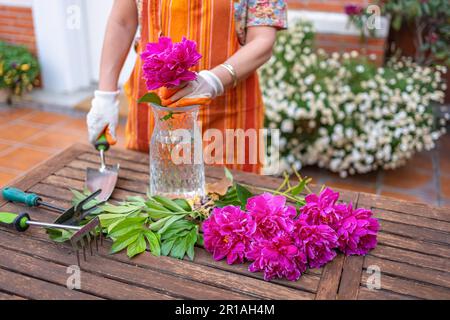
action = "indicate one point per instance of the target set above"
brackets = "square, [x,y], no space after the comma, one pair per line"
[257,51]
[120,32]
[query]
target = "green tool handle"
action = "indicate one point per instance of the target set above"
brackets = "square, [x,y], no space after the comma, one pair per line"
[19,196]
[18,222]
[102,143]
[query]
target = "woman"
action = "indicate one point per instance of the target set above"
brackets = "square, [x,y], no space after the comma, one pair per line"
[234,38]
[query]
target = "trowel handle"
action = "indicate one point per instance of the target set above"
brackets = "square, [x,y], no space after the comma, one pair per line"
[102,143]
[19,196]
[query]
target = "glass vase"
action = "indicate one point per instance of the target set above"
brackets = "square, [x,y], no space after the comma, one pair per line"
[176,153]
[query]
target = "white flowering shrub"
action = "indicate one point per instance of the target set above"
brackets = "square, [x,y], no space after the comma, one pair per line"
[342,112]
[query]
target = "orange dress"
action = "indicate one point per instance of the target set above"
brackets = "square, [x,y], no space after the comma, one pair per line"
[211,23]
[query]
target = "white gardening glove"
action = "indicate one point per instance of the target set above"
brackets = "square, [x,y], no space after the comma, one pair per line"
[103,116]
[200,91]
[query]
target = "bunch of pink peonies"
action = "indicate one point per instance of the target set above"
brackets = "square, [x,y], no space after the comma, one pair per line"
[167,64]
[283,244]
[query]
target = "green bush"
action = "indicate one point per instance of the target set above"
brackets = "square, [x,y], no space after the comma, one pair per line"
[19,69]
[342,112]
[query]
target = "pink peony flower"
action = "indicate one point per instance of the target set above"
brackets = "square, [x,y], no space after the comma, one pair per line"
[357,231]
[227,233]
[322,208]
[317,241]
[167,64]
[278,257]
[353,9]
[271,214]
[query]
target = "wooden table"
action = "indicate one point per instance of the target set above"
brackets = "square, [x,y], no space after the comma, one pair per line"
[413,252]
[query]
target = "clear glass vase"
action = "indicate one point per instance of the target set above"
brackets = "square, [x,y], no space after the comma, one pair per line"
[176,153]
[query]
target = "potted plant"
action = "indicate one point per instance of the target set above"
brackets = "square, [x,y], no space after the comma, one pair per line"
[19,71]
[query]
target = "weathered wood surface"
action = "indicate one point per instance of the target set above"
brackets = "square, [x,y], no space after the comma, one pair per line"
[413,252]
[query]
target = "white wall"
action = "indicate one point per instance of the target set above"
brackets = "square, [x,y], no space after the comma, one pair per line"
[17,3]
[97,16]
[69,36]
[62,50]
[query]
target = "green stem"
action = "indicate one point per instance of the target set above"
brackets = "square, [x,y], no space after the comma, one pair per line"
[292,198]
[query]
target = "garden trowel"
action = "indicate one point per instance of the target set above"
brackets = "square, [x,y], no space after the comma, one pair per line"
[105,177]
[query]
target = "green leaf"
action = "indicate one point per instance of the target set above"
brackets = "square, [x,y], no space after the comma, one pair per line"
[200,240]
[59,235]
[168,116]
[179,248]
[155,226]
[127,222]
[299,188]
[169,222]
[153,241]
[191,240]
[228,174]
[150,97]
[183,204]
[124,209]
[167,246]
[137,246]
[168,203]
[178,229]
[117,233]
[243,194]
[123,242]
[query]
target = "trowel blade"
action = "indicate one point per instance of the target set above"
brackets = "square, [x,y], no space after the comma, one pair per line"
[102,179]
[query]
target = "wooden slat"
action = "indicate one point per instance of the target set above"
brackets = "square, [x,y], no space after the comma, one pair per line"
[308,281]
[411,288]
[130,165]
[411,208]
[405,270]
[31,288]
[351,278]
[124,173]
[414,244]
[374,294]
[226,280]
[403,218]
[7,296]
[128,273]
[329,283]
[56,273]
[413,232]
[188,270]
[411,257]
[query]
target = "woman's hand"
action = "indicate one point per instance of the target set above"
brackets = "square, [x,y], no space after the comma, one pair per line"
[210,84]
[103,116]
[201,91]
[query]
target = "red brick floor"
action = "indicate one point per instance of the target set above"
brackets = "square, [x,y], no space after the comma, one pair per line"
[28,137]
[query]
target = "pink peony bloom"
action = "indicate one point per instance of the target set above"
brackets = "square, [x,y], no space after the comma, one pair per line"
[317,241]
[166,64]
[278,257]
[353,9]
[227,233]
[322,208]
[271,214]
[357,231]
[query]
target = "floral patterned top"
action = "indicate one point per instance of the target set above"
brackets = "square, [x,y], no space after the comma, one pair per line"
[254,13]
[259,13]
